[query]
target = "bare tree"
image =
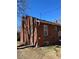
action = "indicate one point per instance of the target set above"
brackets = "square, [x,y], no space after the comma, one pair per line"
[21,11]
[21,7]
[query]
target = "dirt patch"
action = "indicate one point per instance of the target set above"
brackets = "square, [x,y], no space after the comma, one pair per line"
[50,52]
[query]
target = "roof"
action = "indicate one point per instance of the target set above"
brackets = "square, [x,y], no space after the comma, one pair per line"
[49,22]
[45,21]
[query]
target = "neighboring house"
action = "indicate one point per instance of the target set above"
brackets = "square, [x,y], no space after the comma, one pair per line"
[39,32]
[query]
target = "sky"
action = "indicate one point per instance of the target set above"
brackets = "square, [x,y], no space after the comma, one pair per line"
[49,10]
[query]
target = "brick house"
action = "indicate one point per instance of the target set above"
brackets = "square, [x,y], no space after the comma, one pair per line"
[38,32]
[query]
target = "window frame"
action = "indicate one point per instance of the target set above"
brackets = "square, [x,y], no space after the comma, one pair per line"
[45,27]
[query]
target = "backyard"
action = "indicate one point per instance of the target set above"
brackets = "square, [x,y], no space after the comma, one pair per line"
[47,52]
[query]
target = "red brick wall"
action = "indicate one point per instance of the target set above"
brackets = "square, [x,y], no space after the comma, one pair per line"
[38,36]
[52,37]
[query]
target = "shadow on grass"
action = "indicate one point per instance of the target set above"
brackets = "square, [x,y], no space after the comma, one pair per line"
[31,46]
[25,46]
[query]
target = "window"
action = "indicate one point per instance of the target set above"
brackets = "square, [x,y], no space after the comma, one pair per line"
[55,28]
[45,30]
